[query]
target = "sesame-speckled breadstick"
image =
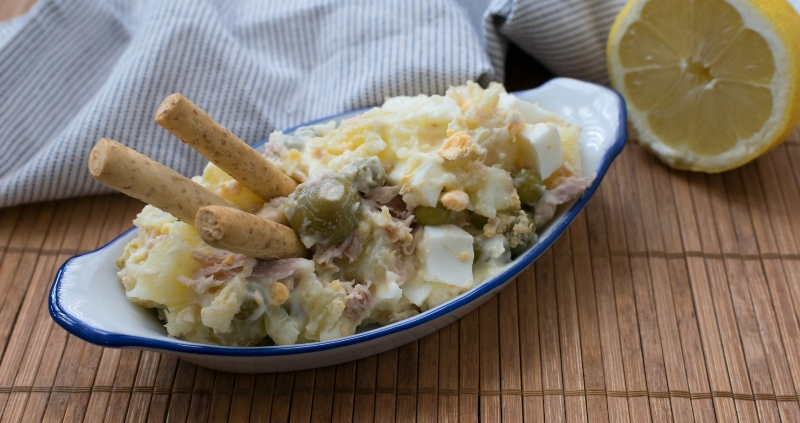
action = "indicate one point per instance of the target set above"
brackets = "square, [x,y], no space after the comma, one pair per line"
[188,122]
[242,232]
[139,176]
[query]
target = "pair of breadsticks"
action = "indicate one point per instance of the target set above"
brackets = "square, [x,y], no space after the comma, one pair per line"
[219,222]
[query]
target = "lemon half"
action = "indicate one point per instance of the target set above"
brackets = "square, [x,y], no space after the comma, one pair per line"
[709,84]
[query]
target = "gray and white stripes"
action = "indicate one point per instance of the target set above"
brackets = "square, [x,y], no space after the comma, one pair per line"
[73,71]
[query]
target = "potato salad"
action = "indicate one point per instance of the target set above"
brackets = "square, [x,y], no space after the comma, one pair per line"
[402,208]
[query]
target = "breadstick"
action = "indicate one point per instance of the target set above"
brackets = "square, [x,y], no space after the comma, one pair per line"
[139,176]
[188,122]
[242,232]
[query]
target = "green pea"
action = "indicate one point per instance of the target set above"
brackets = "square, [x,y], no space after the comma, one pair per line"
[324,210]
[478,253]
[438,215]
[478,220]
[248,307]
[530,187]
[518,227]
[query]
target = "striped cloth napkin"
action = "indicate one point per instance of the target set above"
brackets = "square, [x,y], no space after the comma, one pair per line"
[73,71]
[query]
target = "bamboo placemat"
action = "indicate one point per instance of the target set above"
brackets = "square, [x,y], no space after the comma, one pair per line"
[673,296]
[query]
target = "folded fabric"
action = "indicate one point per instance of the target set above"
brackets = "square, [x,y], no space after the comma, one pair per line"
[74,71]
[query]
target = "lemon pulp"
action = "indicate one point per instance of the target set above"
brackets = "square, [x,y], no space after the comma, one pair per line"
[705,90]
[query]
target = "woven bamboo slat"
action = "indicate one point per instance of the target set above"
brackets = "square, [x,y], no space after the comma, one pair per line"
[672,297]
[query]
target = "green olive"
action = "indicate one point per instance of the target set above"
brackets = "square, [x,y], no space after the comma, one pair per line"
[324,210]
[366,174]
[438,215]
[529,186]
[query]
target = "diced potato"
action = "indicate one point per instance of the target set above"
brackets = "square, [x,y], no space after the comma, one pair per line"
[158,276]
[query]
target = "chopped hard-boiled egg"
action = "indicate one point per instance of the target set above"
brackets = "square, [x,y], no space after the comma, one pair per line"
[541,148]
[423,185]
[446,255]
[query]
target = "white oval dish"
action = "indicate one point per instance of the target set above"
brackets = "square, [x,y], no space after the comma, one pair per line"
[88,300]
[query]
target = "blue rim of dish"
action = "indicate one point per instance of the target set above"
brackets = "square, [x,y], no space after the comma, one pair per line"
[113,339]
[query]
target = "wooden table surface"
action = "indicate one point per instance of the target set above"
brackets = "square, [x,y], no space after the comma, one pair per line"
[673,296]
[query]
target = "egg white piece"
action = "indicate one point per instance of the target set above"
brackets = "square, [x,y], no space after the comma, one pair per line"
[446,254]
[541,148]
